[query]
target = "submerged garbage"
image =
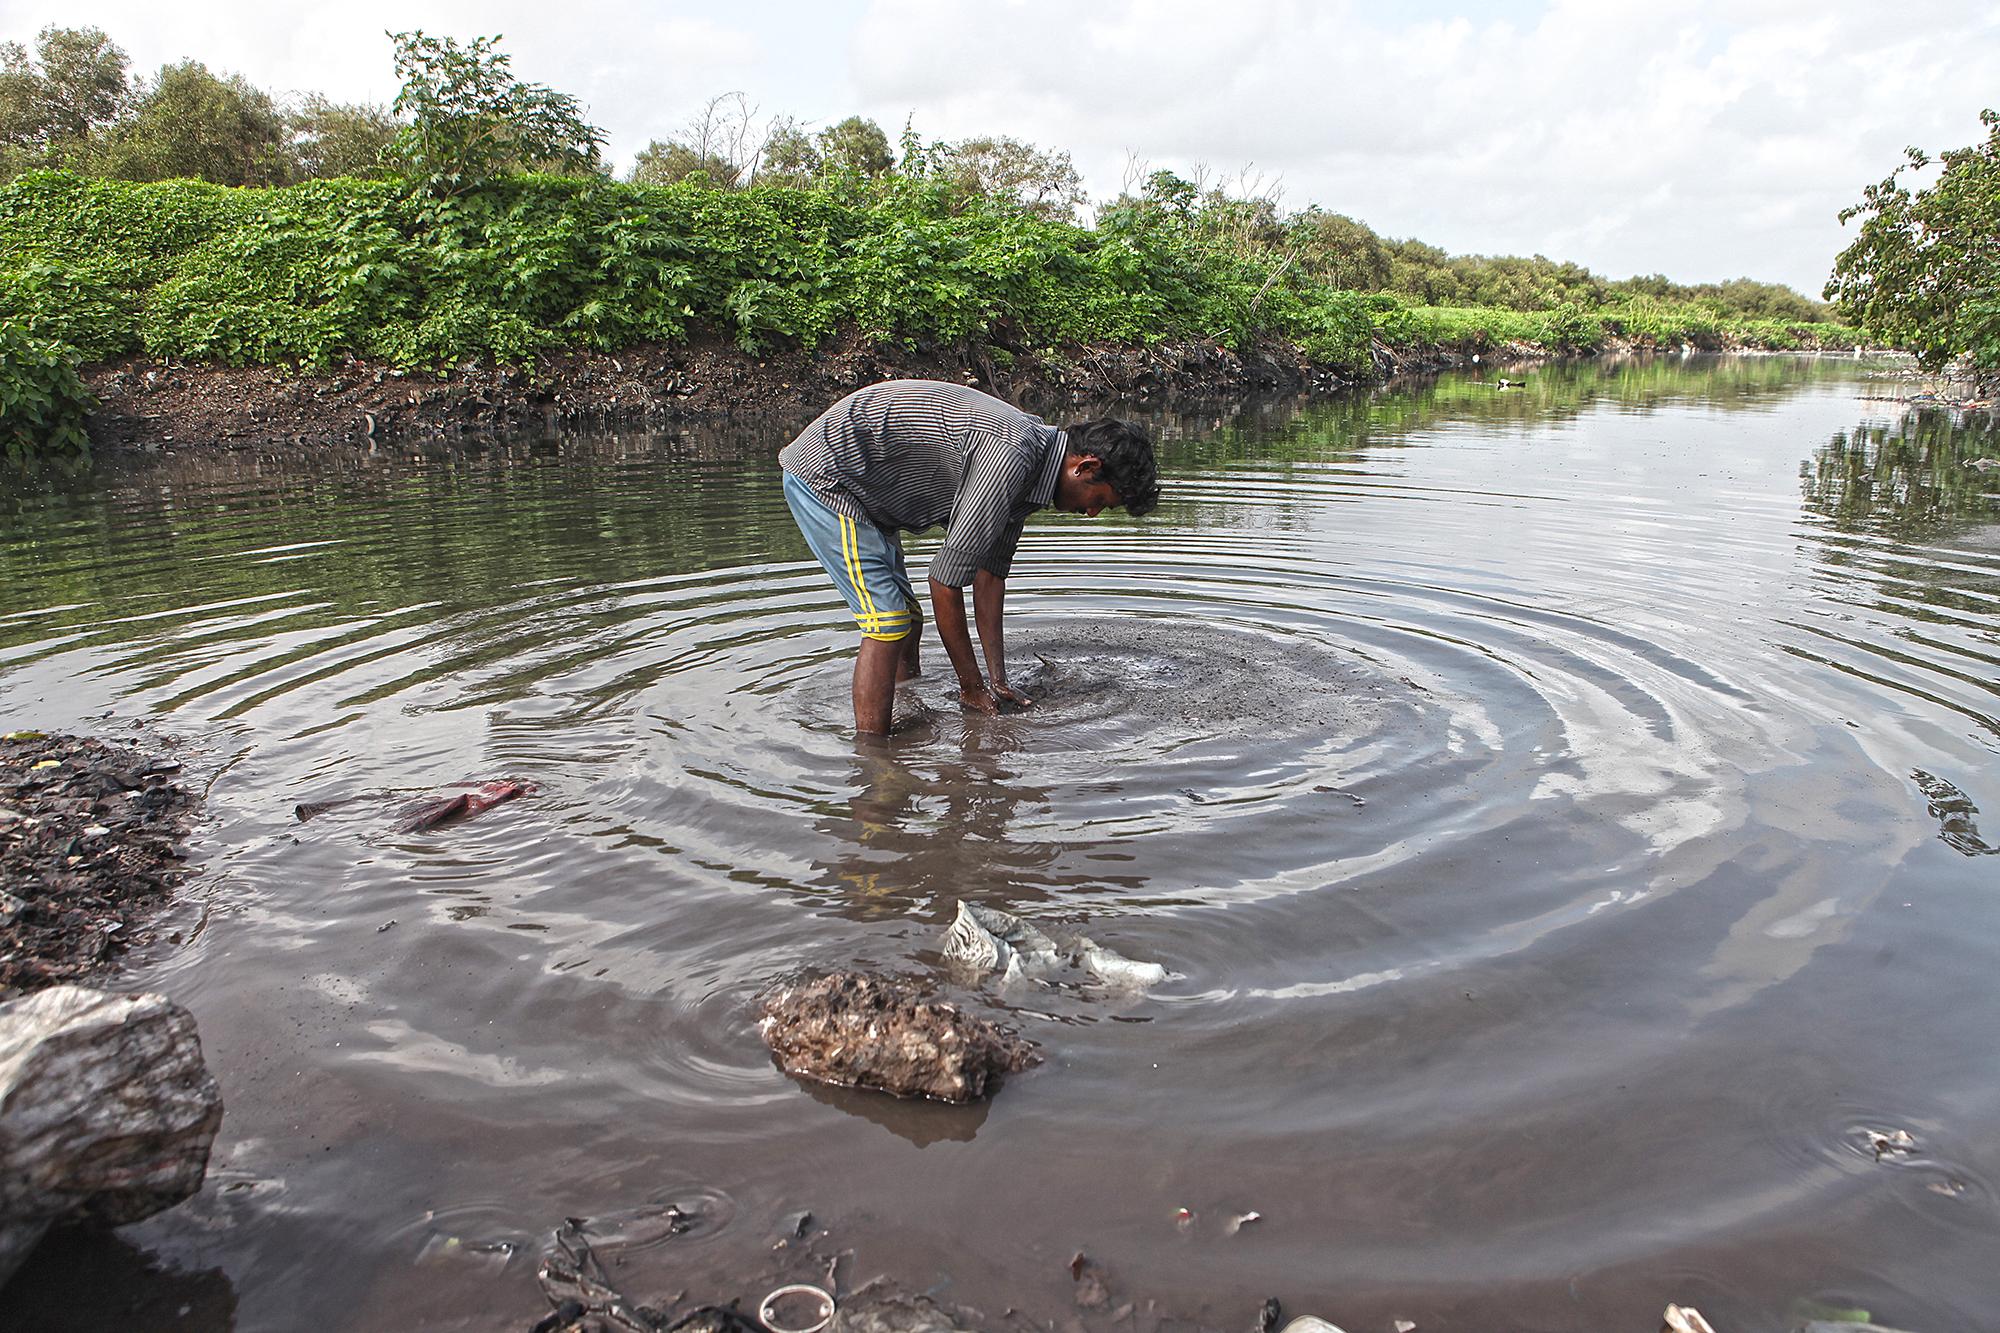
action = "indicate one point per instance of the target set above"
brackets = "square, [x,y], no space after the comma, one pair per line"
[593,1276]
[430,811]
[428,814]
[985,941]
[856,1030]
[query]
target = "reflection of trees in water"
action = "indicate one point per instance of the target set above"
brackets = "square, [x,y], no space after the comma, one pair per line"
[1890,495]
[1907,479]
[467,526]
[1320,429]
[462,527]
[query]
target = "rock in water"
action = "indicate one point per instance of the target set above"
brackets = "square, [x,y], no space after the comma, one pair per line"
[863,1031]
[107,1112]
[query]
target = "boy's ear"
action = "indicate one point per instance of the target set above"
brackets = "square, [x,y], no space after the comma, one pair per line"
[1088,466]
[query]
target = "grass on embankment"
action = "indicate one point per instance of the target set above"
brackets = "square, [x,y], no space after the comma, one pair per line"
[313,274]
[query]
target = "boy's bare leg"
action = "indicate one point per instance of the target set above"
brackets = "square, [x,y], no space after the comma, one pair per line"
[909,668]
[875,684]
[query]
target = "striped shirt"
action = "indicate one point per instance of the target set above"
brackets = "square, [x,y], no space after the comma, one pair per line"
[914,454]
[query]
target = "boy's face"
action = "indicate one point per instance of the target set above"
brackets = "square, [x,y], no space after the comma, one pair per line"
[1081,488]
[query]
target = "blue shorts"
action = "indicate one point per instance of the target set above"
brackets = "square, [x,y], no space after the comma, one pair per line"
[866,563]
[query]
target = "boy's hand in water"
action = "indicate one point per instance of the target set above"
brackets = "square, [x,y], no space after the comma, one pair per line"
[987,699]
[1002,690]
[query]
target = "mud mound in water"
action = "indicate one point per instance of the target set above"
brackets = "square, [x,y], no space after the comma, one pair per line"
[1202,678]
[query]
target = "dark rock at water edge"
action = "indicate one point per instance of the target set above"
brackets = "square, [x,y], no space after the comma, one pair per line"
[857,1030]
[107,1112]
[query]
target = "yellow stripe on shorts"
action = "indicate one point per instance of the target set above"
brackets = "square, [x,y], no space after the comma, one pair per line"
[850,548]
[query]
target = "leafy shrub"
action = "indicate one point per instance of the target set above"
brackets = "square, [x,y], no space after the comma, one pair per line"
[314,273]
[1571,328]
[43,401]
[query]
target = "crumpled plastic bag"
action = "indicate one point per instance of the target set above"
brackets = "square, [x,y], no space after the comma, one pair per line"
[984,941]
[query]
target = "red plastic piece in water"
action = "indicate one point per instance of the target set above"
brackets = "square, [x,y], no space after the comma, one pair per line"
[463,805]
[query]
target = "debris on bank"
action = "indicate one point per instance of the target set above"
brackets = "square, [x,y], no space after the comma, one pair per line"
[592,1276]
[857,1030]
[91,839]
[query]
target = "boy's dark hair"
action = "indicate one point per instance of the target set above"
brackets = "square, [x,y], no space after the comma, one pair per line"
[1127,456]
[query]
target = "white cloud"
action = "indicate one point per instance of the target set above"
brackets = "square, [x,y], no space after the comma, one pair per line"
[1703,139]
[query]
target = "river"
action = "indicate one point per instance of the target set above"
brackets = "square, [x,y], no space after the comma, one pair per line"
[1560,807]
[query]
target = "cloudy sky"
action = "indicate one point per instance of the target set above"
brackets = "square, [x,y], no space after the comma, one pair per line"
[1697,138]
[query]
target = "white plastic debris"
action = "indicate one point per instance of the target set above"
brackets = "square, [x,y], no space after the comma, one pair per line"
[1684,1319]
[984,940]
[1307,1323]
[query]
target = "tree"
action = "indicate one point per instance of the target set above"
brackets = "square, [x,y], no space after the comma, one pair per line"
[789,156]
[1174,195]
[1924,271]
[1340,252]
[665,162]
[191,122]
[73,87]
[339,138]
[723,145]
[471,120]
[1423,273]
[855,145]
[1004,168]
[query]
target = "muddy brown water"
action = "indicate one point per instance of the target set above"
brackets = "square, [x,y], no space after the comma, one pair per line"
[1562,808]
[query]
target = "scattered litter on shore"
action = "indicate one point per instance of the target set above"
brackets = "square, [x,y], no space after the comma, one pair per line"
[91,836]
[592,1275]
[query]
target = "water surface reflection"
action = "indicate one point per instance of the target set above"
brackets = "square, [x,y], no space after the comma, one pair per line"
[1561,807]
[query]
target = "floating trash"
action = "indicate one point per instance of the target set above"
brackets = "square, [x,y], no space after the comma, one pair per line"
[984,941]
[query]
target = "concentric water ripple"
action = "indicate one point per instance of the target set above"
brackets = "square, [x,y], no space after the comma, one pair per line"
[1562,811]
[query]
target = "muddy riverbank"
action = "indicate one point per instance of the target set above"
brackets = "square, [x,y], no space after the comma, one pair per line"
[149,404]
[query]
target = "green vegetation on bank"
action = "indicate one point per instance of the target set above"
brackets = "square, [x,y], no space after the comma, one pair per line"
[43,401]
[314,273]
[484,229]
